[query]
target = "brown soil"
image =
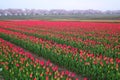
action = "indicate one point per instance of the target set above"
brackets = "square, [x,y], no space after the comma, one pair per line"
[60,68]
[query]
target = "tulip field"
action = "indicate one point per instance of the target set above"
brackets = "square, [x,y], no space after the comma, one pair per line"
[88,49]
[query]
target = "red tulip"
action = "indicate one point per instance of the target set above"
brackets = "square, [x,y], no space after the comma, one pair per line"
[85,79]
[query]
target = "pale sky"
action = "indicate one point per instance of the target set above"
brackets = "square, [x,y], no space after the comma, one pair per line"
[61,4]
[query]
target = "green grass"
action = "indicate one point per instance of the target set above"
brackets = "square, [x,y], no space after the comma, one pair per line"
[80,17]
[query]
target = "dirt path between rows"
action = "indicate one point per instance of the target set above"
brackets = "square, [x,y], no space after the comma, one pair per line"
[59,68]
[1,77]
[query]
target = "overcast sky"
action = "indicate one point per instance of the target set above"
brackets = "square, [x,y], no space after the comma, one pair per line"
[61,4]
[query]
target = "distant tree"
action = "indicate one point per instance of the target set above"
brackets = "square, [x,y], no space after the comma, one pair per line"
[20,12]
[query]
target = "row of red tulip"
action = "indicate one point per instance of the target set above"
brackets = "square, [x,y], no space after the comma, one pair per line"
[59,48]
[87,32]
[14,59]
[113,37]
[98,64]
[88,61]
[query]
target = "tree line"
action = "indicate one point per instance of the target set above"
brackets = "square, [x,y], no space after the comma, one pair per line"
[21,12]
